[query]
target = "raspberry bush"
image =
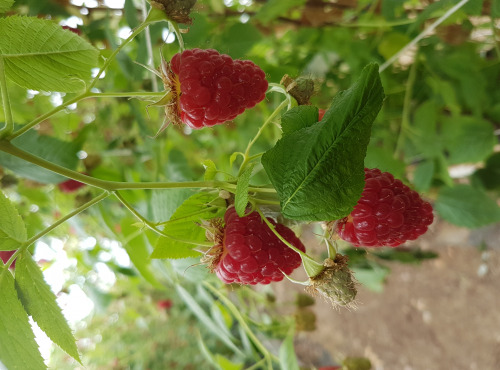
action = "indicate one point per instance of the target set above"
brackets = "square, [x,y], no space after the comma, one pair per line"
[206,214]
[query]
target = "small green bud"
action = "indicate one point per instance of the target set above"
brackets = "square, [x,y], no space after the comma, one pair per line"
[335,282]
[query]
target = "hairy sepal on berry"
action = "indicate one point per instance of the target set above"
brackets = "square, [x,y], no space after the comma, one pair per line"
[335,283]
[246,251]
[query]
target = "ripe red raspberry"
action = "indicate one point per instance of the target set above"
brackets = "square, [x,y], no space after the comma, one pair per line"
[70,186]
[74,30]
[211,88]
[5,256]
[388,213]
[321,114]
[250,252]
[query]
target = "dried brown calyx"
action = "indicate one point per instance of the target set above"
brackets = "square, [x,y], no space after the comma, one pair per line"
[176,10]
[300,88]
[171,99]
[335,283]
[214,232]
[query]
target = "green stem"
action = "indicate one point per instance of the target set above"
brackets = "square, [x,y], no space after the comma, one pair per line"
[108,61]
[49,114]
[265,201]
[7,147]
[9,120]
[152,227]
[494,32]
[405,120]
[131,94]
[422,34]
[312,267]
[181,219]
[76,99]
[236,312]
[247,158]
[42,233]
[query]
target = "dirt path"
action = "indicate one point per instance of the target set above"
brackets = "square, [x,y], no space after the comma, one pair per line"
[443,314]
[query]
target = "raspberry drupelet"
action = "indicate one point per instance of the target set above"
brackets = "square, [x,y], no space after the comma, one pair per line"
[211,88]
[251,253]
[388,213]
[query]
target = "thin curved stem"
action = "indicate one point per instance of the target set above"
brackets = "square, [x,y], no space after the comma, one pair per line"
[113,185]
[42,233]
[312,267]
[150,225]
[405,120]
[236,313]
[108,61]
[247,157]
[76,99]
[49,114]
[422,34]
[9,120]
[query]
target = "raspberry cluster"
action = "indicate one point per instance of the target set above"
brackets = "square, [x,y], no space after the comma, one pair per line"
[387,214]
[212,88]
[252,253]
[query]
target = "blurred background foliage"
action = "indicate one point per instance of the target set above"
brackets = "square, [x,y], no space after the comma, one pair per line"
[438,131]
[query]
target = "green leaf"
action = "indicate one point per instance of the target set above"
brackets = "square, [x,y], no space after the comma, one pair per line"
[403,255]
[18,349]
[391,43]
[318,171]
[273,9]
[383,159]
[210,170]
[138,248]
[241,197]
[464,205]
[372,275]
[422,179]
[40,55]
[287,357]
[164,202]
[495,9]
[226,364]
[184,229]
[51,149]
[468,139]
[490,174]
[5,5]
[40,303]
[205,319]
[426,139]
[12,228]
[238,39]
[297,118]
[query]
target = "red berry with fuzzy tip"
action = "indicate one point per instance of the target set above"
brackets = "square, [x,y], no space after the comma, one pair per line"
[388,213]
[252,254]
[211,88]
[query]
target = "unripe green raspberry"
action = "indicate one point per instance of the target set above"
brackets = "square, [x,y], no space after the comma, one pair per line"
[335,282]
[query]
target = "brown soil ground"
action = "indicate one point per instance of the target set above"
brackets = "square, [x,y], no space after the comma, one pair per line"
[442,314]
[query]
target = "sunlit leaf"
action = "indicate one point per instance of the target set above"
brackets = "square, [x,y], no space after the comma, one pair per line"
[18,349]
[40,303]
[12,228]
[40,55]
